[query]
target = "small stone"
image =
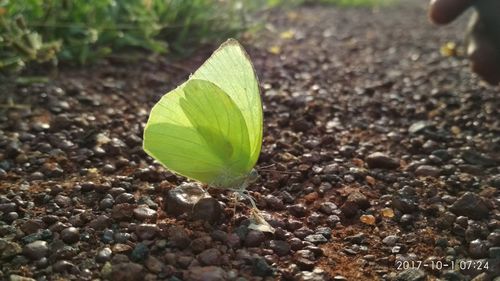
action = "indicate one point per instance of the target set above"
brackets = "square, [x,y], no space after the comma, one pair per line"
[328,208]
[125,198]
[100,223]
[411,274]
[106,203]
[279,247]
[419,126]
[127,271]
[146,231]
[476,158]
[387,213]
[316,239]
[297,210]
[63,201]
[119,248]
[317,274]
[63,266]
[206,273]
[427,171]
[143,213]
[381,161]
[210,257]
[305,259]
[367,219]
[14,277]
[139,253]
[32,226]
[183,198]
[254,238]
[9,249]
[154,265]
[262,268]
[494,253]
[36,250]
[178,237]
[103,255]
[70,235]
[8,207]
[207,209]
[451,275]
[274,203]
[470,205]
[122,212]
[390,240]
[478,249]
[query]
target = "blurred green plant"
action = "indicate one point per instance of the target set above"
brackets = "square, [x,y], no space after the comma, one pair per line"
[352,3]
[82,31]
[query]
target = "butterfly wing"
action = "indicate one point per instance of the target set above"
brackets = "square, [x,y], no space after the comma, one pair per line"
[231,70]
[198,131]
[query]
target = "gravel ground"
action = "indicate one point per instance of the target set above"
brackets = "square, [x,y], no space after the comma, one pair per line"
[380,156]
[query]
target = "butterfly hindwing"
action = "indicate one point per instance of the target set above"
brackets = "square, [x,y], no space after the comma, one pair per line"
[231,70]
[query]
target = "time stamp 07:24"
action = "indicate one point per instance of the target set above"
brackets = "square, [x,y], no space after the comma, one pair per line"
[443,265]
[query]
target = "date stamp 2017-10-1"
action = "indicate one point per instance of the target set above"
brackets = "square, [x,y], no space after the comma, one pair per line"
[443,265]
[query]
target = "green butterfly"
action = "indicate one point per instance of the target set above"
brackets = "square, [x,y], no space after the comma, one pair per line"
[210,127]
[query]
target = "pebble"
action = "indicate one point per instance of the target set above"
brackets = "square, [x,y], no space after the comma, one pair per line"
[478,249]
[183,198]
[279,247]
[125,198]
[419,126]
[207,209]
[470,205]
[274,203]
[32,226]
[14,277]
[146,231]
[127,271]
[390,240]
[178,237]
[476,158]
[297,210]
[381,161]
[411,274]
[154,265]
[9,249]
[123,212]
[70,235]
[63,201]
[62,266]
[139,253]
[316,239]
[427,171]
[304,259]
[254,238]
[317,274]
[36,250]
[261,268]
[106,203]
[206,273]
[103,255]
[329,208]
[144,213]
[210,257]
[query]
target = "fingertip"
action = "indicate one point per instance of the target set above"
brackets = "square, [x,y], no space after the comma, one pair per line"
[485,60]
[445,11]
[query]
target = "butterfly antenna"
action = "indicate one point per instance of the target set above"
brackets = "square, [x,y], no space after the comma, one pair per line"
[265,167]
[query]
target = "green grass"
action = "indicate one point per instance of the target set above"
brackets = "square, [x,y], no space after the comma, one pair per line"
[80,31]
[354,3]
